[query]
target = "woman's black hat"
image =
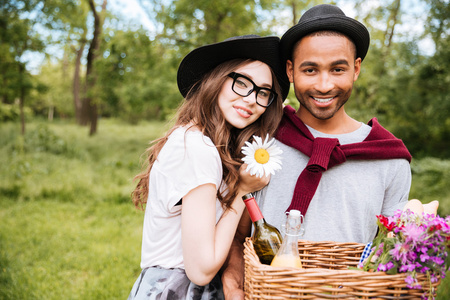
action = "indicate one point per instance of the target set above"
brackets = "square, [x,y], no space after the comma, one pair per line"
[203,59]
[326,17]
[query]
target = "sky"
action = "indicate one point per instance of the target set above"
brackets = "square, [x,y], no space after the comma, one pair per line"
[130,11]
[412,23]
[127,10]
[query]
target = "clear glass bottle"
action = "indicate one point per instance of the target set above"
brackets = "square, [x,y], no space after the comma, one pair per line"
[288,255]
[266,238]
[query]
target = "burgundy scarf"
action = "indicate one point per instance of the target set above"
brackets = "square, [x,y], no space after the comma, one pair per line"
[325,153]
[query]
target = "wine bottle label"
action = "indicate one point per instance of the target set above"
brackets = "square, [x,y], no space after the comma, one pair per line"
[253,209]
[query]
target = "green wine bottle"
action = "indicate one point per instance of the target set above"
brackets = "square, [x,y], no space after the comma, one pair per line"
[266,238]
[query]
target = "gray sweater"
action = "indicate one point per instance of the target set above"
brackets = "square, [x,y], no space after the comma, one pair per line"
[348,198]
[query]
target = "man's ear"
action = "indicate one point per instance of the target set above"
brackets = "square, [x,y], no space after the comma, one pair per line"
[357,68]
[290,70]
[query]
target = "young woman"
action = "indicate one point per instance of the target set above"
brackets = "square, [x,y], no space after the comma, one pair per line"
[194,182]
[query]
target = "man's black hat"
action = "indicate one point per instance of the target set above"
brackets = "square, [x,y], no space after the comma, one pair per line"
[326,17]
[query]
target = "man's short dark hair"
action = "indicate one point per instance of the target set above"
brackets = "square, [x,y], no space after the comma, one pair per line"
[326,33]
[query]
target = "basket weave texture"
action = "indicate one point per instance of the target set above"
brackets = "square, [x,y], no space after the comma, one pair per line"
[325,275]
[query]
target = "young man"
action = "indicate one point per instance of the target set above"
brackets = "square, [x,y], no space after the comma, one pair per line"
[340,173]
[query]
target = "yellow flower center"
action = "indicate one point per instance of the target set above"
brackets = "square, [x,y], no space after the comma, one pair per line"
[262,156]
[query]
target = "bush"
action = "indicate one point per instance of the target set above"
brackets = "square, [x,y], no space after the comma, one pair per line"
[11,112]
[430,178]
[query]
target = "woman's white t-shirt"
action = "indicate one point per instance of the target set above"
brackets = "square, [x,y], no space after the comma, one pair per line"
[187,160]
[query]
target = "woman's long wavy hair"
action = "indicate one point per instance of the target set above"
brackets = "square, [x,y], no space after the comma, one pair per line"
[201,110]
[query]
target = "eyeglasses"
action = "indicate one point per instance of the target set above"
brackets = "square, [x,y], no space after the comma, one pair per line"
[244,86]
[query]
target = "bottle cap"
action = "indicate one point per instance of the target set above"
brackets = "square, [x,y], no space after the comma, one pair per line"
[247,196]
[294,213]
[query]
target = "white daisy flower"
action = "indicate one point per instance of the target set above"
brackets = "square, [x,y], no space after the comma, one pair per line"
[262,157]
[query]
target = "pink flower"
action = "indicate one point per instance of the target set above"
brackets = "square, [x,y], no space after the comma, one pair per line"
[412,244]
[423,249]
[400,252]
[438,260]
[385,267]
[424,257]
[413,233]
[412,282]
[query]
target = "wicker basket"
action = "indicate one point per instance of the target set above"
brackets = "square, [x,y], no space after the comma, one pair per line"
[325,275]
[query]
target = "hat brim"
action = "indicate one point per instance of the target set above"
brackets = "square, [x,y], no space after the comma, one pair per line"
[356,31]
[203,59]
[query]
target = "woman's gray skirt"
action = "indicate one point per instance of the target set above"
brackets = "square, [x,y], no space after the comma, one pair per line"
[157,283]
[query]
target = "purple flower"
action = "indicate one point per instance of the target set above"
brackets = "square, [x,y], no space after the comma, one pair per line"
[438,260]
[434,278]
[380,250]
[423,249]
[381,268]
[413,233]
[403,269]
[390,265]
[412,256]
[400,253]
[409,281]
[385,267]
[420,245]
[412,267]
[407,268]
[424,257]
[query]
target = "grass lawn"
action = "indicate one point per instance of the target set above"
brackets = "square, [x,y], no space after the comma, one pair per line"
[68,229]
[54,250]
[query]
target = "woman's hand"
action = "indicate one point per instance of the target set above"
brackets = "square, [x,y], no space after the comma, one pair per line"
[251,183]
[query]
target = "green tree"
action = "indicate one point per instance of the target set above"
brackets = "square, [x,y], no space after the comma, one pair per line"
[55,98]
[422,112]
[187,24]
[136,80]
[199,22]
[407,90]
[30,27]
[377,69]
[69,30]
[17,39]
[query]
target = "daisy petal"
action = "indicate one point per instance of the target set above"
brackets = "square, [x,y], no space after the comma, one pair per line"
[266,167]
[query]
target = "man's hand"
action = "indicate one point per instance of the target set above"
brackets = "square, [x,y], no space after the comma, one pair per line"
[234,267]
[237,294]
[431,208]
[417,207]
[233,272]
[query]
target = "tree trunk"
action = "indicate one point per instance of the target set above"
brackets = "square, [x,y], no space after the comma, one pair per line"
[22,98]
[76,82]
[390,26]
[51,112]
[89,80]
[89,109]
[4,96]
[294,13]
